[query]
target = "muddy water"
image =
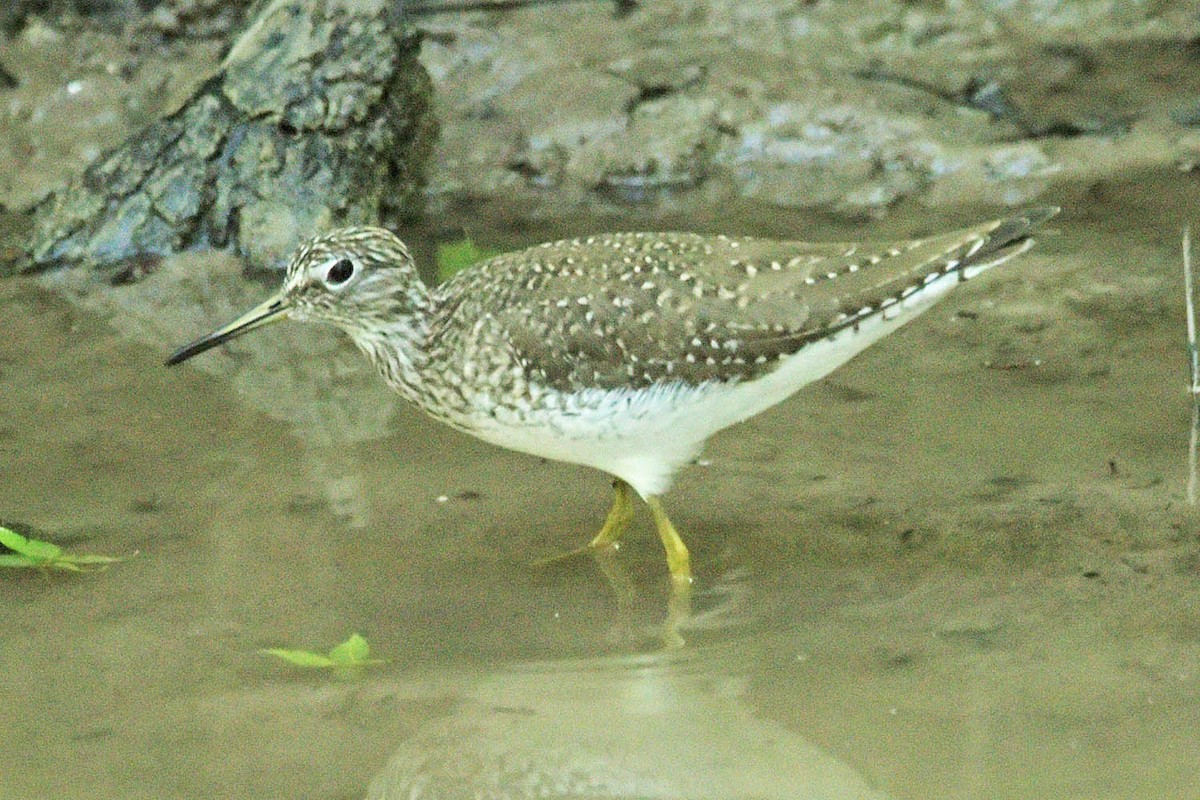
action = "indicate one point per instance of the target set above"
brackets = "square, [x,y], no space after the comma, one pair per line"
[961,567]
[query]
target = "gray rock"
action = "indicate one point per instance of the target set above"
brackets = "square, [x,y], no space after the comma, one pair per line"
[166,17]
[647,729]
[13,13]
[844,107]
[317,118]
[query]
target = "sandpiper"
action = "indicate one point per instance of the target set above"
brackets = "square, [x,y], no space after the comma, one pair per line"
[621,351]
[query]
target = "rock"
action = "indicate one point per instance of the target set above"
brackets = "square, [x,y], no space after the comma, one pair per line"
[668,146]
[194,18]
[317,118]
[583,732]
[845,108]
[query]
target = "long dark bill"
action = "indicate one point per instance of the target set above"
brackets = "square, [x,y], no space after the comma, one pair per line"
[268,312]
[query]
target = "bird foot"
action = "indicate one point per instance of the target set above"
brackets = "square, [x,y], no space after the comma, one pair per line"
[591,549]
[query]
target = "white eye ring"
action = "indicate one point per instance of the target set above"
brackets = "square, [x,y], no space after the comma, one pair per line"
[339,273]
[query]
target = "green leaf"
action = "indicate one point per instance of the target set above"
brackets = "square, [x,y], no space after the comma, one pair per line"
[301,658]
[349,655]
[85,559]
[47,555]
[453,257]
[11,539]
[42,551]
[61,566]
[33,548]
[354,650]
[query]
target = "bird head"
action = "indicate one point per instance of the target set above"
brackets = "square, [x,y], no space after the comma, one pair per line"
[360,279]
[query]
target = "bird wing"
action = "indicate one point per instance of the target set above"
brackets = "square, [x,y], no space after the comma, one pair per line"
[632,309]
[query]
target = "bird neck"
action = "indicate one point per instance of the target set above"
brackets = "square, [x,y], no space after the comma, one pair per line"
[395,340]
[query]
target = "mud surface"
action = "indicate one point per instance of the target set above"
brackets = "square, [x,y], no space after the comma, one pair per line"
[963,566]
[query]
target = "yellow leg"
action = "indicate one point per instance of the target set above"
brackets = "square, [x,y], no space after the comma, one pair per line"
[615,525]
[618,519]
[678,560]
[602,545]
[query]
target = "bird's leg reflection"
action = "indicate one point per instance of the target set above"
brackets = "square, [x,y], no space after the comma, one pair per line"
[679,612]
[624,589]
[624,592]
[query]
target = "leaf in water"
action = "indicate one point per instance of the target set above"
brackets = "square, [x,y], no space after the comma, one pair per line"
[46,555]
[11,539]
[354,650]
[301,658]
[42,551]
[85,559]
[62,565]
[33,548]
[453,257]
[349,655]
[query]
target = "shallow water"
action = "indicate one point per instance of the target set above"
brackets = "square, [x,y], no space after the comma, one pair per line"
[961,567]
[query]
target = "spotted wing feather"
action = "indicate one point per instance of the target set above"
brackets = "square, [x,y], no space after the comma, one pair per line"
[628,310]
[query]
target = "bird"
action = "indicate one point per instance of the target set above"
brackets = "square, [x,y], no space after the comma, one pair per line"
[623,352]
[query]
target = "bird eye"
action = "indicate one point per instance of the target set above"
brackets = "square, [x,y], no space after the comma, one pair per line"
[341,271]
